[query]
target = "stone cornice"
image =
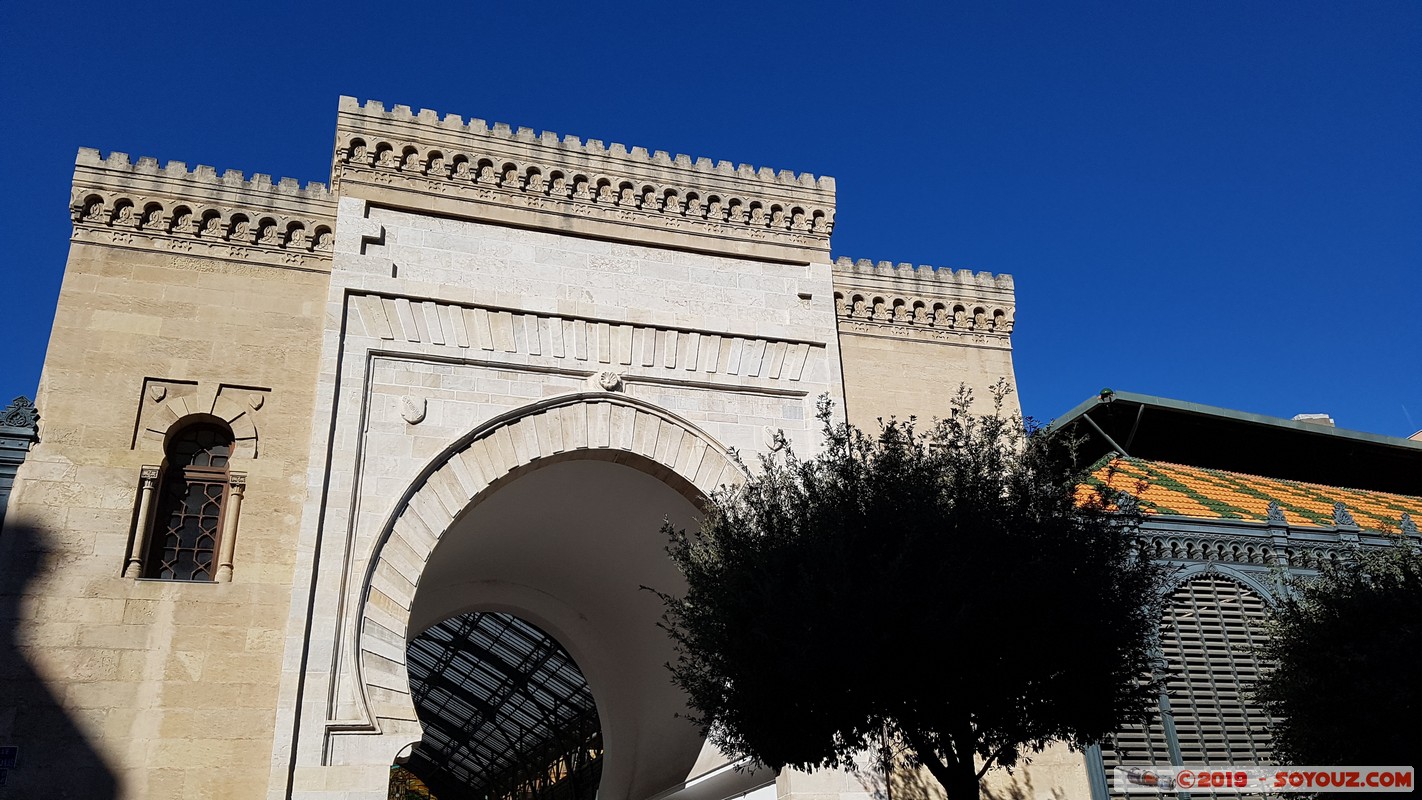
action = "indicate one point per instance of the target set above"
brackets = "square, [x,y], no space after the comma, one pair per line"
[631,350]
[923,302]
[496,174]
[173,209]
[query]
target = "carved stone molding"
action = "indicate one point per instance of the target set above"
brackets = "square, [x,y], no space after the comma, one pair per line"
[165,402]
[609,427]
[541,180]
[198,213]
[923,302]
[606,380]
[676,353]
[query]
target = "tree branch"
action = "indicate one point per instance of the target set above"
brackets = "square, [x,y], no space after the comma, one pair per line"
[929,758]
[987,764]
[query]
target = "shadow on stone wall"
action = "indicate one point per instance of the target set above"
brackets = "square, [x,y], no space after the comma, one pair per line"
[901,782]
[904,783]
[1018,786]
[56,760]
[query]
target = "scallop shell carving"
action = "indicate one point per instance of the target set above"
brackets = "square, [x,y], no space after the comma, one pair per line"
[606,381]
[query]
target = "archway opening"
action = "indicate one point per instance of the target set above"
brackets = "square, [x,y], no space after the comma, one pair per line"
[506,712]
[565,548]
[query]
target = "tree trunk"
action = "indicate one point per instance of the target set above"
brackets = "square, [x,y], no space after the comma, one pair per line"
[958,777]
[965,784]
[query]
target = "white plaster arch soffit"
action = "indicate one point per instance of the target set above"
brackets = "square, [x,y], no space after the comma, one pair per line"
[591,425]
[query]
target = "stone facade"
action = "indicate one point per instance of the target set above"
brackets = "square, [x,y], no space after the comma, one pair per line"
[186,293]
[893,323]
[466,307]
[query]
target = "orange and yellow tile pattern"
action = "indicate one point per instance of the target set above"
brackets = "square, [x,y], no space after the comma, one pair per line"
[1179,490]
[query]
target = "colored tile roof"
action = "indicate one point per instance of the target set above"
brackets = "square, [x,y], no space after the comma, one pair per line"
[1179,490]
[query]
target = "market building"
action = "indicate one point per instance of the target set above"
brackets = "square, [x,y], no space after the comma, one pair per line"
[326,479]
[286,431]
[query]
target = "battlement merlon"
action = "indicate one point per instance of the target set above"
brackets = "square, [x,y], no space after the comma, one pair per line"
[923,297]
[117,173]
[935,280]
[374,110]
[494,173]
[198,212]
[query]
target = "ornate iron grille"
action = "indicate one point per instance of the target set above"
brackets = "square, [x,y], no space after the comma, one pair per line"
[1208,638]
[188,522]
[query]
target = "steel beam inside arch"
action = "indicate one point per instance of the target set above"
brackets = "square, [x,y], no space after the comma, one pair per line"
[506,712]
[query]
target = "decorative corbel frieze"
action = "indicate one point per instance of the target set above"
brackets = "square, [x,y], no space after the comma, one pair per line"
[923,302]
[544,180]
[201,214]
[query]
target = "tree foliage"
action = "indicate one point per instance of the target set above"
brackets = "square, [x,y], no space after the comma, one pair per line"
[945,589]
[1347,646]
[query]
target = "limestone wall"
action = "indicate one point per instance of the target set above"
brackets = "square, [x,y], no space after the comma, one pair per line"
[910,336]
[184,292]
[467,275]
[435,326]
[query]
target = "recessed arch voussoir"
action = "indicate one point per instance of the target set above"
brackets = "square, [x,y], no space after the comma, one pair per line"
[591,425]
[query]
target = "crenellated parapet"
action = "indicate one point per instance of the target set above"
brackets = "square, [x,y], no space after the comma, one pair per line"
[519,177]
[923,302]
[200,213]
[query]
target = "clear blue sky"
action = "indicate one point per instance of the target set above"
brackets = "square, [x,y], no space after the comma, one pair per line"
[1209,201]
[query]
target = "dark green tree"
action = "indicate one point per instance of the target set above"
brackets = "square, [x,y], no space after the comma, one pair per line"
[1346,646]
[953,591]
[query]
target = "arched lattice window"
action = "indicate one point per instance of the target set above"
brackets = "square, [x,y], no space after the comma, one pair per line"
[188,519]
[1209,635]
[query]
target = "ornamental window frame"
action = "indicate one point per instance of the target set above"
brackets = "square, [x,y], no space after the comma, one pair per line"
[158,496]
[1161,737]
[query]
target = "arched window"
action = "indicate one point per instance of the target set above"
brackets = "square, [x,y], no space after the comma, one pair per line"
[188,519]
[1208,637]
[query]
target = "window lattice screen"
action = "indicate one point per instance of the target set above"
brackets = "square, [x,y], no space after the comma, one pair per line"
[183,544]
[1208,636]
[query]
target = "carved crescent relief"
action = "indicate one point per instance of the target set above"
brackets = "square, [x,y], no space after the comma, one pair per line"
[774,438]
